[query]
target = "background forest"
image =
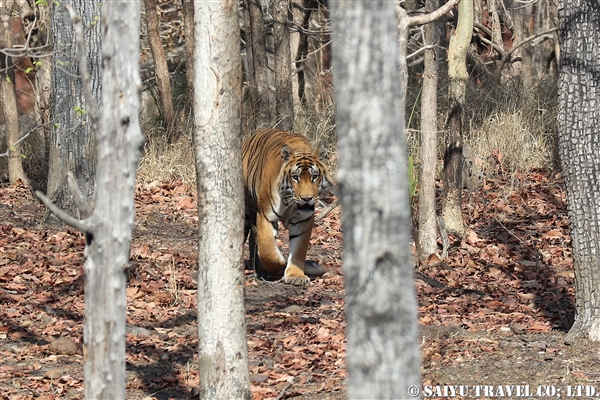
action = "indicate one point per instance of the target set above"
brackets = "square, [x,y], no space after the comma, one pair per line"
[495,301]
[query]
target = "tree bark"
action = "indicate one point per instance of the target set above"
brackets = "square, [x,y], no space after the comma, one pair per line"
[260,95]
[161,70]
[458,76]
[9,101]
[188,17]
[222,345]
[578,144]
[427,233]
[72,147]
[383,353]
[284,97]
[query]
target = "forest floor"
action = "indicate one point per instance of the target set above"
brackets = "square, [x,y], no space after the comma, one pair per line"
[499,320]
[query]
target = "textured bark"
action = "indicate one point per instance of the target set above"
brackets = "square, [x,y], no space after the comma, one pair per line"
[188,17]
[427,233]
[383,353]
[579,141]
[458,76]
[284,98]
[161,70]
[260,96]
[119,144]
[222,345]
[9,101]
[72,143]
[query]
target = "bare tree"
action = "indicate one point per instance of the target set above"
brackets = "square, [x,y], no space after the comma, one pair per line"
[108,228]
[579,141]
[458,76]
[383,352]
[222,345]
[284,99]
[161,70]
[427,233]
[9,101]
[72,142]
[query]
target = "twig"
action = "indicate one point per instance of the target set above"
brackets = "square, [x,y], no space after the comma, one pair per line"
[324,212]
[83,206]
[81,225]
[282,393]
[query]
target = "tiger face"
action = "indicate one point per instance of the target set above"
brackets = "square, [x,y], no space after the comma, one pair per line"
[304,179]
[283,179]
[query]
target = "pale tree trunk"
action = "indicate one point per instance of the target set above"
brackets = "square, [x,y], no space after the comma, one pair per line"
[9,101]
[579,141]
[383,352]
[427,233]
[72,144]
[222,345]
[284,98]
[161,69]
[108,228]
[458,76]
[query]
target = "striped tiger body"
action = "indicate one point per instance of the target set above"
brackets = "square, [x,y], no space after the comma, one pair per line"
[283,178]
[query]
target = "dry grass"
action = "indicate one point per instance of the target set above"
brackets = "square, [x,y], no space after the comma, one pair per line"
[516,127]
[165,161]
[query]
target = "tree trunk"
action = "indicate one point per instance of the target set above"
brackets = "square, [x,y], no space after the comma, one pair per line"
[9,101]
[161,70]
[260,95]
[119,144]
[579,141]
[427,234]
[72,147]
[458,76]
[188,17]
[222,345]
[284,97]
[383,352]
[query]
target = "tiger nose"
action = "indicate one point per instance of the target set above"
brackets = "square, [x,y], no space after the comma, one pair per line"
[306,199]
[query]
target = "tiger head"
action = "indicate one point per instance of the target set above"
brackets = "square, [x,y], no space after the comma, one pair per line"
[304,179]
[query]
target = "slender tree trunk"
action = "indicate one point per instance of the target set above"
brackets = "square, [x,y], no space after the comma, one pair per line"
[383,352]
[161,69]
[458,76]
[302,50]
[72,147]
[9,101]
[579,141]
[188,17]
[284,97]
[222,345]
[427,233]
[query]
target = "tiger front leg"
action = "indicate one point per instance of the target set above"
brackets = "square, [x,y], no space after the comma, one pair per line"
[299,239]
[270,257]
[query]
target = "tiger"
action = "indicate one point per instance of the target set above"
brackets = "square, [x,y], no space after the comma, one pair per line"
[283,179]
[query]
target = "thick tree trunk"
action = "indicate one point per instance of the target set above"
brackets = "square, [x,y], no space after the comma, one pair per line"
[72,147]
[161,70]
[458,76]
[260,95]
[119,141]
[383,352]
[222,345]
[9,101]
[579,141]
[284,97]
[427,234]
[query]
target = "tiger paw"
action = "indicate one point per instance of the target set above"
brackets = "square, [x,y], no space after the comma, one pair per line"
[294,276]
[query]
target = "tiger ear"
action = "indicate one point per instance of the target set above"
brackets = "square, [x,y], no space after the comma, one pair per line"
[286,152]
[322,152]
